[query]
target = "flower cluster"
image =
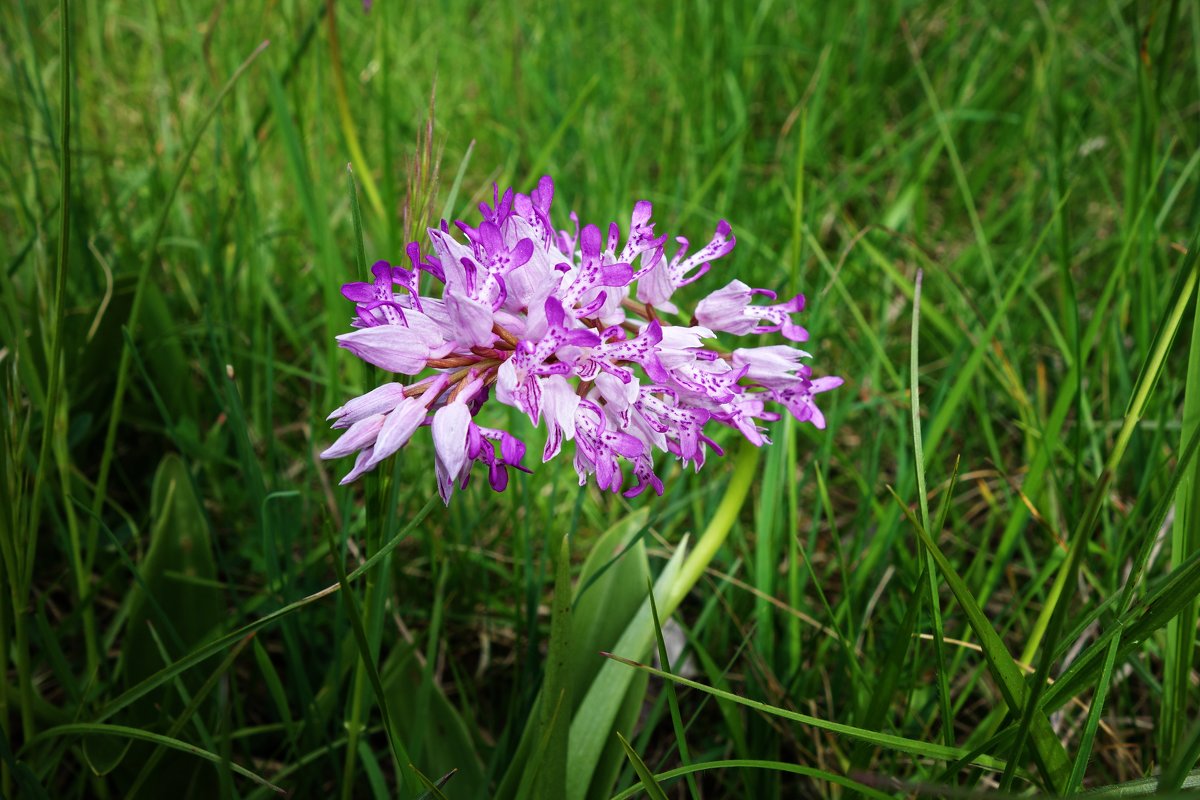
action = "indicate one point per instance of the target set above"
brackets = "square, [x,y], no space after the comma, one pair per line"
[572,328]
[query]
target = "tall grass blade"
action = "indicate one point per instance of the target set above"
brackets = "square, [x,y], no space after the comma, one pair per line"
[1180,654]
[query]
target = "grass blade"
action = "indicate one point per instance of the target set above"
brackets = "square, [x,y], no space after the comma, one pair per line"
[1048,751]
[649,784]
[367,661]
[779,766]
[885,740]
[1179,656]
[99,729]
[935,610]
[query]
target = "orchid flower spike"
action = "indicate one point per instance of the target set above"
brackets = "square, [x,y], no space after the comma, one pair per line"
[567,328]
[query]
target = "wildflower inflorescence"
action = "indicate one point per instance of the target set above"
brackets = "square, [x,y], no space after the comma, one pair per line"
[565,326]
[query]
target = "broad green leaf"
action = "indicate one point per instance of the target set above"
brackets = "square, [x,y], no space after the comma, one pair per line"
[612,758]
[554,717]
[610,591]
[607,595]
[592,725]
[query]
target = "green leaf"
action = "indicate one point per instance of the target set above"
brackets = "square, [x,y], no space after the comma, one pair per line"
[612,757]
[360,254]
[593,723]
[610,591]
[433,790]
[555,704]
[935,610]
[607,596]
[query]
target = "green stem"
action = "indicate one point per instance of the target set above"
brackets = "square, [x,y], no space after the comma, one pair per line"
[5,777]
[718,529]
[352,729]
[355,723]
[24,672]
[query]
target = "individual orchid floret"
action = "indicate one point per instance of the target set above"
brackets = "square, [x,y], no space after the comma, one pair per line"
[599,446]
[381,422]
[729,310]
[797,398]
[379,400]
[451,428]
[405,347]
[566,326]
[519,378]
[770,365]
[664,279]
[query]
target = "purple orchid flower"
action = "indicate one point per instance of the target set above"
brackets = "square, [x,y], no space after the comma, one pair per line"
[546,321]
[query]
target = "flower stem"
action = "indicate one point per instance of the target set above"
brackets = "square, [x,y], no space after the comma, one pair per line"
[504,334]
[718,528]
[5,777]
[24,672]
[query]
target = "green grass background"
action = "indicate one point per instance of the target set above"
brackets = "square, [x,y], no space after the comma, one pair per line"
[1035,161]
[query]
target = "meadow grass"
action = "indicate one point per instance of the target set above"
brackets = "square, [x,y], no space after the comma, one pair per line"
[982,577]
